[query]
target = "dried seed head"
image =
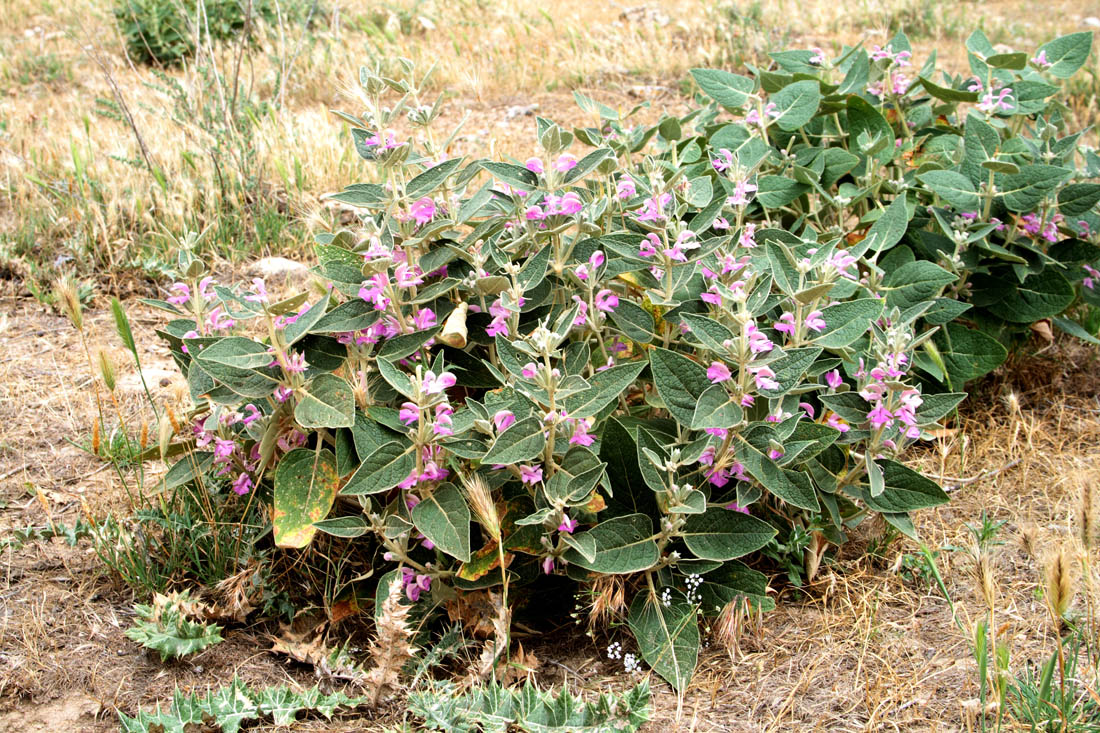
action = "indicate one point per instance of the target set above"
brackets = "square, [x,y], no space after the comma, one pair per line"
[143,438]
[608,601]
[730,624]
[172,420]
[481,501]
[68,297]
[164,437]
[95,436]
[107,370]
[1059,583]
[1029,538]
[1085,524]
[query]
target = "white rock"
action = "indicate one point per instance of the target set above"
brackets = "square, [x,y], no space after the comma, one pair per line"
[1093,21]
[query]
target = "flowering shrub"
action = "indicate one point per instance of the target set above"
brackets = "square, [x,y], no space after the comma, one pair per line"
[701,340]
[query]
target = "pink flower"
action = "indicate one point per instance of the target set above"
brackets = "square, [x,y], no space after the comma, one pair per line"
[1093,276]
[807,408]
[530,474]
[742,193]
[718,372]
[529,370]
[242,485]
[582,311]
[534,165]
[567,524]
[253,415]
[406,275]
[833,379]
[580,434]
[758,342]
[880,416]
[434,385]
[223,449]
[653,208]
[625,189]
[206,288]
[606,301]
[534,213]
[1040,60]
[765,378]
[596,259]
[373,291]
[497,327]
[548,565]
[1002,101]
[724,161]
[442,424]
[180,294]
[649,245]
[423,318]
[785,324]
[815,321]
[735,507]
[707,296]
[721,224]
[565,162]
[296,362]
[774,454]
[818,58]
[422,210]
[503,420]
[747,236]
[282,394]
[219,320]
[409,413]
[570,204]
[834,421]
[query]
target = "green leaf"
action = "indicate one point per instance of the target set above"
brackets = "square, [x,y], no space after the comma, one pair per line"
[326,402]
[354,315]
[790,486]
[236,352]
[1045,294]
[384,468]
[724,534]
[521,442]
[1025,190]
[1073,328]
[716,409]
[914,283]
[1077,199]
[443,517]
[1014,60]
[305,488]
[634,321]
[347,527]
[1067,54]
[947,94]
[667,636]
[888,229]
[513,175]
[578,474]
[905,490]
[729,90]
[968,353]
[680,382]
[304,323]
[953,187]
[604,388]
[623,545]
[863,118]
[936,406]
[428,181]
[847,321]
[796,104]
[709,332]
[777,191]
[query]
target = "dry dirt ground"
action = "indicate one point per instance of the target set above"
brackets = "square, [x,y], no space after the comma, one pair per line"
[862,648]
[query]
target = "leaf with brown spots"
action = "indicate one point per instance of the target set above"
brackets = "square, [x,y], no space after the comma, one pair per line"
[305,488]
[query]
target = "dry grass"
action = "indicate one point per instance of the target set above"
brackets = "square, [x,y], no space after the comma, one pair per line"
[863,648]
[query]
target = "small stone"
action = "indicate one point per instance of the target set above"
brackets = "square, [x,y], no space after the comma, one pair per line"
[1092,21]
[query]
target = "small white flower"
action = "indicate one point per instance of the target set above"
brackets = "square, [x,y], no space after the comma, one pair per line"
[631,664]
[615,651]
